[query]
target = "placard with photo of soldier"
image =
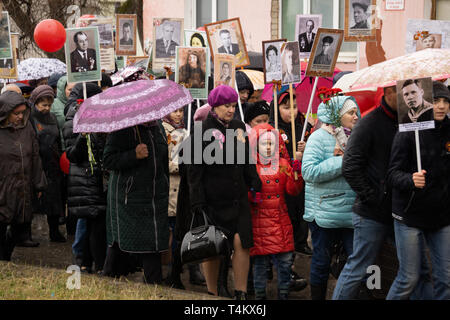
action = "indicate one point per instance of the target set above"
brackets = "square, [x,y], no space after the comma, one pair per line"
[5,37]
[82,51]
[423,34]
[359,22]
[106,37]
[324,53]
[168,33]
[192,64]
[306,27]
[226,37]
[126,34]
[415,104]
[224,70]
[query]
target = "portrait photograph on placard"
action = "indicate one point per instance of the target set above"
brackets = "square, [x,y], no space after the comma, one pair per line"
[192,64]
[290,63]
[306,26]
[8,67]
[224,70]
[82,51]
[415,104]
[106,35]
[5,37]
[226,36]
[195,38]
[423,34]
[168,33]
[324,53]
[359,21]
[272,60]
[126,34]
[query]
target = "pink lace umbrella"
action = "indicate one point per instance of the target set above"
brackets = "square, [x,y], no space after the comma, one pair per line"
[130,104]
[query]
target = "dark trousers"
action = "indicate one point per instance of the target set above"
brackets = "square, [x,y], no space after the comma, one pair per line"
[152,267]
[94,247]
[9,238]
[296,209]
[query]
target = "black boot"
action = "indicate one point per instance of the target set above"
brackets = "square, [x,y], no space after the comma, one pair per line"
[297,283]
[195,276]
[222,283]
[240,295]
[53,226]
[318,292]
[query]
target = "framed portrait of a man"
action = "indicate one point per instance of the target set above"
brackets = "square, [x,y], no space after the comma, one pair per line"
[192,64]
[126,34]
[359,22]
[8,67]
[415,104]
[168,33]
[290,63]
[106,39]
[324,53]
[272,60]
[6,51]
[306,26]
[226,37]
[224,70]
[82,51]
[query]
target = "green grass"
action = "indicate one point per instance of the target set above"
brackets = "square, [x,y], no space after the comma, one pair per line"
[24,282]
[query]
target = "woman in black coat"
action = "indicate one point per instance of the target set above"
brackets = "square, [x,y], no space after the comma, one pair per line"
[221,189]
[86,185]
[47,132]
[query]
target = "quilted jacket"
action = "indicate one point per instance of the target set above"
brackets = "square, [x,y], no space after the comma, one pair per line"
[328,197]
[272,228]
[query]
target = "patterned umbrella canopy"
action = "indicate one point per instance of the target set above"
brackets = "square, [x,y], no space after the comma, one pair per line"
[130,104]
[433,63]
[36,68]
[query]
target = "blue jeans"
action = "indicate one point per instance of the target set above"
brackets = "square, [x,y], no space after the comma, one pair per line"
[322,242]
[368,238]
[80,236]
[410,253]
[283,263]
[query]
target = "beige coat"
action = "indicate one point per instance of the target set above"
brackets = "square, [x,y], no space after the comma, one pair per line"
[174,138]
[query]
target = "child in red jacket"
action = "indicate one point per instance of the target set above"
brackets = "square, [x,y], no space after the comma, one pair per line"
[272,228]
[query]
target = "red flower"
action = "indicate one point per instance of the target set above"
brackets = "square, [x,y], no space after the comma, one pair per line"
[80,101]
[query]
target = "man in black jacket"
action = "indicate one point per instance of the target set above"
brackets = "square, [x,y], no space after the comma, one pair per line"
[365,166]
[421,202]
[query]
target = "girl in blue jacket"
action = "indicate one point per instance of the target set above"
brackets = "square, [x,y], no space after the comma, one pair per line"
[328,197]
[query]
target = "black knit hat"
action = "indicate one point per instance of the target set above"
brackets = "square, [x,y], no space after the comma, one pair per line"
[440,90]
[256,109]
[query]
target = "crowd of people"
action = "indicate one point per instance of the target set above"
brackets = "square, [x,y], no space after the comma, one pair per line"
[353,181]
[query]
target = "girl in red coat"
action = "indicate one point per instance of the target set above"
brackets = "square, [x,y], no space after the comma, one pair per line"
[272,228]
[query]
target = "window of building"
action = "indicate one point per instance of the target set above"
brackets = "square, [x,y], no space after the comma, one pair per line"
[201,12]
[332,17]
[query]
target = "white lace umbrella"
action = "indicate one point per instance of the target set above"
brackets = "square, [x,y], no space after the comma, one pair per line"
[433,63]
[36,68]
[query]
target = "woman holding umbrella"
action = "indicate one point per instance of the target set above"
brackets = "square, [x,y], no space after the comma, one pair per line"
[138,195]
[220,190]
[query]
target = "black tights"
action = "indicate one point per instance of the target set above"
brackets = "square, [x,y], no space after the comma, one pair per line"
[94,248]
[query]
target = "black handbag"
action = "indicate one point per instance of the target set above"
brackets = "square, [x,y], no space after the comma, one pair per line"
[203,243]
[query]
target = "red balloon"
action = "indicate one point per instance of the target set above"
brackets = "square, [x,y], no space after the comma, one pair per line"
[50,35]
